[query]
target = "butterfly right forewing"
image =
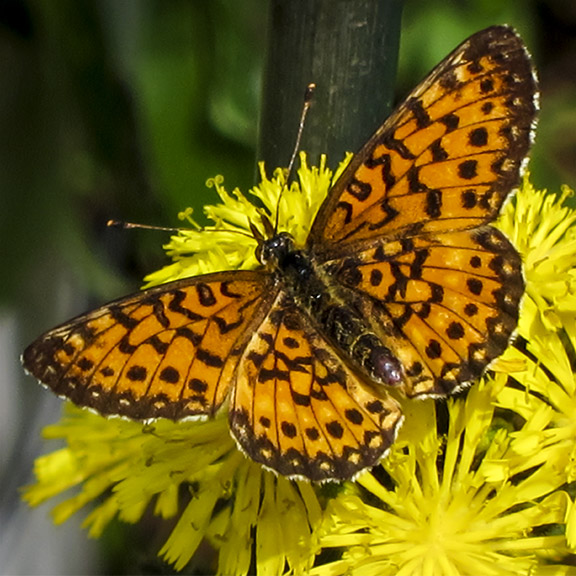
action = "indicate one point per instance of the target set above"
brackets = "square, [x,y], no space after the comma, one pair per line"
[168,352]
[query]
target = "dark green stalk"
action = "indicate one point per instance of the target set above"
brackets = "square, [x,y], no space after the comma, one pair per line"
[349,49]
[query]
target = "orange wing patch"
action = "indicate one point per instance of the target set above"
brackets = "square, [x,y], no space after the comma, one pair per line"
[168,352]
[299,410]
[448,157]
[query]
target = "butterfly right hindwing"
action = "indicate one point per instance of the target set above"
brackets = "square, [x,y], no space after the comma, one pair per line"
[298,409]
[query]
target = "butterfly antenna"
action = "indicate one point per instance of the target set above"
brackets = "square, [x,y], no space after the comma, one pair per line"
[133,226]
[308,95]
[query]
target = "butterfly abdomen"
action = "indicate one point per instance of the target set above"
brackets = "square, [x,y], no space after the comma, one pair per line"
[342,324]
[350,332]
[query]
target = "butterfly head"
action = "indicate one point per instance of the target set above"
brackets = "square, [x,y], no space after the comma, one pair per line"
[274,251]
[274,248]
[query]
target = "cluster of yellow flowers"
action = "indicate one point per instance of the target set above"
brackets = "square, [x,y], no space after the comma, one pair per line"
[479,484]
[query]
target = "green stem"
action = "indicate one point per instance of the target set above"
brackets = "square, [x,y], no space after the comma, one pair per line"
[349,49]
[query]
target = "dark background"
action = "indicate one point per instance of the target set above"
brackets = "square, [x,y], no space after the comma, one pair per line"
[122,109]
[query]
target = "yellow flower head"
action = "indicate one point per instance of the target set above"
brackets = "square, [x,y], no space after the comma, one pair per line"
[486,496]
[229,244]
[474,485]
[231,501]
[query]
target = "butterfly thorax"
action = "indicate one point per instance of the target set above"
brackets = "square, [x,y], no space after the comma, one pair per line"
[315,293]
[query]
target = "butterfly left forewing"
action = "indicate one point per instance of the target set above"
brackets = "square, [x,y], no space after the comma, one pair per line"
[299,410]
[447,158]
[166,352]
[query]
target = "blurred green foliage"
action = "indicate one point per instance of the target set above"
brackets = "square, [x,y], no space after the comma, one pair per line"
[119,110]
[123,110]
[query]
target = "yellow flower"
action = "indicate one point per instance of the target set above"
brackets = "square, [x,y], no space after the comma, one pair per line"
[473,485]
[487,496]
[229,243]
[233,502]
[147,465]
[541,226]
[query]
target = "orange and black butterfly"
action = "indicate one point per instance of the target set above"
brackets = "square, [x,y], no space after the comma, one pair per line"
[401,285]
